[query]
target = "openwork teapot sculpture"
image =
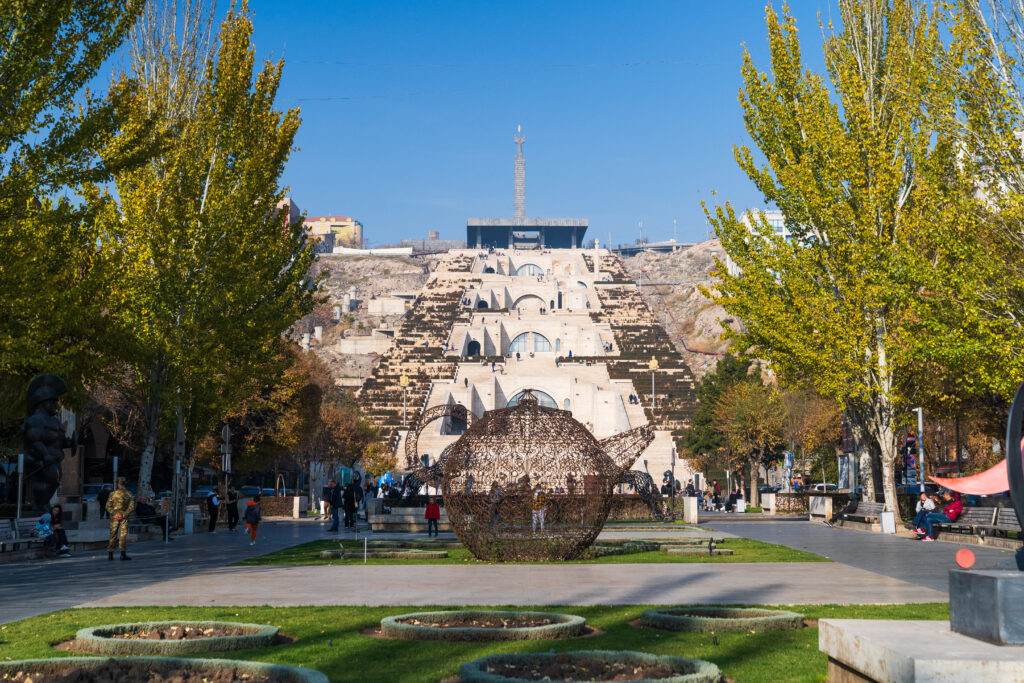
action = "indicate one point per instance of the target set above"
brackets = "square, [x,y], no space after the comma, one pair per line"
[526,482]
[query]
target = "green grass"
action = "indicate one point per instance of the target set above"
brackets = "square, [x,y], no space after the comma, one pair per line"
[744,550]
[329,639]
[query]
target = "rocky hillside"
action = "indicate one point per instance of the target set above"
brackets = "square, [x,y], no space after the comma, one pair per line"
[692,320]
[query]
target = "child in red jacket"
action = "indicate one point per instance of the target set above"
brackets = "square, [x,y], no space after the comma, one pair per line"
[433,514]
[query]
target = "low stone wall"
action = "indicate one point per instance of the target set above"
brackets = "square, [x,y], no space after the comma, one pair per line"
[406,519]
[790,502]
[282,506]
[628,507]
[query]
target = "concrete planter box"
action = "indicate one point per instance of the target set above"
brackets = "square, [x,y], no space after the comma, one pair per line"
[484,670]
[820,506]
[62,665]
[564,626]
[101,640]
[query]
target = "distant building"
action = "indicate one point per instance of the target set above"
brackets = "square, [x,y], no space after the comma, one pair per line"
[433,235]
[347,231]
[288,204]
[520,232]
[776,219]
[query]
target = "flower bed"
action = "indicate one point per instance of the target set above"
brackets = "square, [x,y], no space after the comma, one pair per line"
[482,625]
[718,619]
[153,670]
[173,637]
[593,665]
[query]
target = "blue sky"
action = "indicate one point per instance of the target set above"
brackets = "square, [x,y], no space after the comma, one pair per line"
[629,109]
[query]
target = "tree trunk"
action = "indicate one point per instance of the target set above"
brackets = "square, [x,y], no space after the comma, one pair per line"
[152,432]
[754,464]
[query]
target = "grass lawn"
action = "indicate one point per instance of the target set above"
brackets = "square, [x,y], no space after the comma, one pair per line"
[744,550]
[329,639]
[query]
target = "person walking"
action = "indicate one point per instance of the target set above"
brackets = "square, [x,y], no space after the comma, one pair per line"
[539,505]
[231,500]
[349,502]
[253,517]
[101,498]
[119,505]
[212,508]
[433,514]
[333,500]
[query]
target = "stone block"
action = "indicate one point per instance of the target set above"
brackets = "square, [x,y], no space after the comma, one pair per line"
[820,506]
[768,503]
[913,651]
[690,509]
[988,604]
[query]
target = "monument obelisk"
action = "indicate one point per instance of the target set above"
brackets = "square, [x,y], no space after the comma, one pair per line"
[520,175]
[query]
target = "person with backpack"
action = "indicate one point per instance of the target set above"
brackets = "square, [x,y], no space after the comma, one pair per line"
[253,517]
[212,507]
[349,503]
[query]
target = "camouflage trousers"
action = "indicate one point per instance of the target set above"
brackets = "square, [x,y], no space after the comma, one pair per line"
[118,534]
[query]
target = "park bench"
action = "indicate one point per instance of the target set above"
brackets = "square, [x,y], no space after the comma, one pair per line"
[867,511]
[972,520]
[15,535]
[1006,521]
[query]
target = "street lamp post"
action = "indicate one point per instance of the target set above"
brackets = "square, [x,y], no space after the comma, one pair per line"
[653,365]
[404,382]
[920,448]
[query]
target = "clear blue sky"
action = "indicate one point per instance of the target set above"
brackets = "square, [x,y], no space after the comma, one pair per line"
[629,109]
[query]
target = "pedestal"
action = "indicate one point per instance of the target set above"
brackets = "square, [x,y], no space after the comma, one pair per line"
[820,506]
[768,503]
[689,509]
[988,604]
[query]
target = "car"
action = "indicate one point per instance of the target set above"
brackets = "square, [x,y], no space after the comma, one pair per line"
[767,489]
[163,495]
[202,491]
[268,492]
[818,488]
[91,491]
[249,491]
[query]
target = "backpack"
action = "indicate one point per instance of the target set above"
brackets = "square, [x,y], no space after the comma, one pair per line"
[252,514]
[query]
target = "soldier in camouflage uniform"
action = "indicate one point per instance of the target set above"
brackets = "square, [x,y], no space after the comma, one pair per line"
[120,504]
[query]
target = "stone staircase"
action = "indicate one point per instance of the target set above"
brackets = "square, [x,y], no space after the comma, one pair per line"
[417,352]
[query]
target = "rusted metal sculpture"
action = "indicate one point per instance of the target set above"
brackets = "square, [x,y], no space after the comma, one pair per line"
[526,482]
[643,485]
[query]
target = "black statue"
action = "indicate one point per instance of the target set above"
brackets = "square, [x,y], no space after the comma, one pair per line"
[44,439]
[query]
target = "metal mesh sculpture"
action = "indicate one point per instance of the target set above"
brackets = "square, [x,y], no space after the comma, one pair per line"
[527,482]
[643,485]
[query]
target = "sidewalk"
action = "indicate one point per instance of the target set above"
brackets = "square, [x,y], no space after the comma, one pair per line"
[38,586]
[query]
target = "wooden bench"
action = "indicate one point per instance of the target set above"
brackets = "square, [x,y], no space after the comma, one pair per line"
[1006,521]
[971,521]
[867,511]
[19,535]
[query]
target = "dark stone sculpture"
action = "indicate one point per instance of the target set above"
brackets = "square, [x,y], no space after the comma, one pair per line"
[1015,461]
[526,482]
[44,440]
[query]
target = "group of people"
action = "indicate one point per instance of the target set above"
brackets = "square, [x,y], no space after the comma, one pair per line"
[252,516]
[347,500]
[926,516]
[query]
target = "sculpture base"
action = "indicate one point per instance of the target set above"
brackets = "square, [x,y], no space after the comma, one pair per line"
[987,604]
[863,650]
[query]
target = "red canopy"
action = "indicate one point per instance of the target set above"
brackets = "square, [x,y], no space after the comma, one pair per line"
[991,481]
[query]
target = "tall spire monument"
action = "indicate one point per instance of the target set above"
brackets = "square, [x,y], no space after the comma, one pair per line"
[520,174]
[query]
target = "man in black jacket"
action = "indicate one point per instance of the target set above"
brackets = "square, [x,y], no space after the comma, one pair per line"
[231,500]
[349,500]
[333,498]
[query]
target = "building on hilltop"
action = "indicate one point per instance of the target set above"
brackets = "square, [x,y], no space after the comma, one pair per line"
[776,220]
[520,232]
[344,230]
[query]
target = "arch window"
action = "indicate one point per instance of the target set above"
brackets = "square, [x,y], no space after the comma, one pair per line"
[522,343]
[481,304]
[530,269]
[543,399]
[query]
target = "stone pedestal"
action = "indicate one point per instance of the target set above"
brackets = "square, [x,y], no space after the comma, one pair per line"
[768,503]
[861,650]
[820,506]
[988,604]
[690,509]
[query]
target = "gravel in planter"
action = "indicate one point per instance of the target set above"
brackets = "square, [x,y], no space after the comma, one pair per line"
[589,666]
[111,639]
[718,619]
[136,668]
[548,625]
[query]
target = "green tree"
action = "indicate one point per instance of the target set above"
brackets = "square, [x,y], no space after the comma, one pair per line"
[211,272]
[864,166]
[52,275]
[750,418]
[701,441]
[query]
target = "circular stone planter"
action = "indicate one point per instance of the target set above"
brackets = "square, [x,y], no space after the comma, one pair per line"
[561,626]
[64,665]
[676,669]
[398,554]
[719,619]
[102,639]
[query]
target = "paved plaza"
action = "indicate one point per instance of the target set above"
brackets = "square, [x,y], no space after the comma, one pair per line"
[868,568]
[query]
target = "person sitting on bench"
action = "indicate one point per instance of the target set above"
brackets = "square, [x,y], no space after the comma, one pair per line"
[948,515]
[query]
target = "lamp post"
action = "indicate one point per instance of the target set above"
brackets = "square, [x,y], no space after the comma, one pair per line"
[920,448]
[653,365]
[403,381]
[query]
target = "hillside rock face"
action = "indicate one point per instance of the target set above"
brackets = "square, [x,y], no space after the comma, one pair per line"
[670,285]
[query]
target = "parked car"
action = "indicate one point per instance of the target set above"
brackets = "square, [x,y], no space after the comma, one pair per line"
[249,491]
[268,491]
[818,488]
[915,489]
[202,491]
[767,489]
[91,491]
